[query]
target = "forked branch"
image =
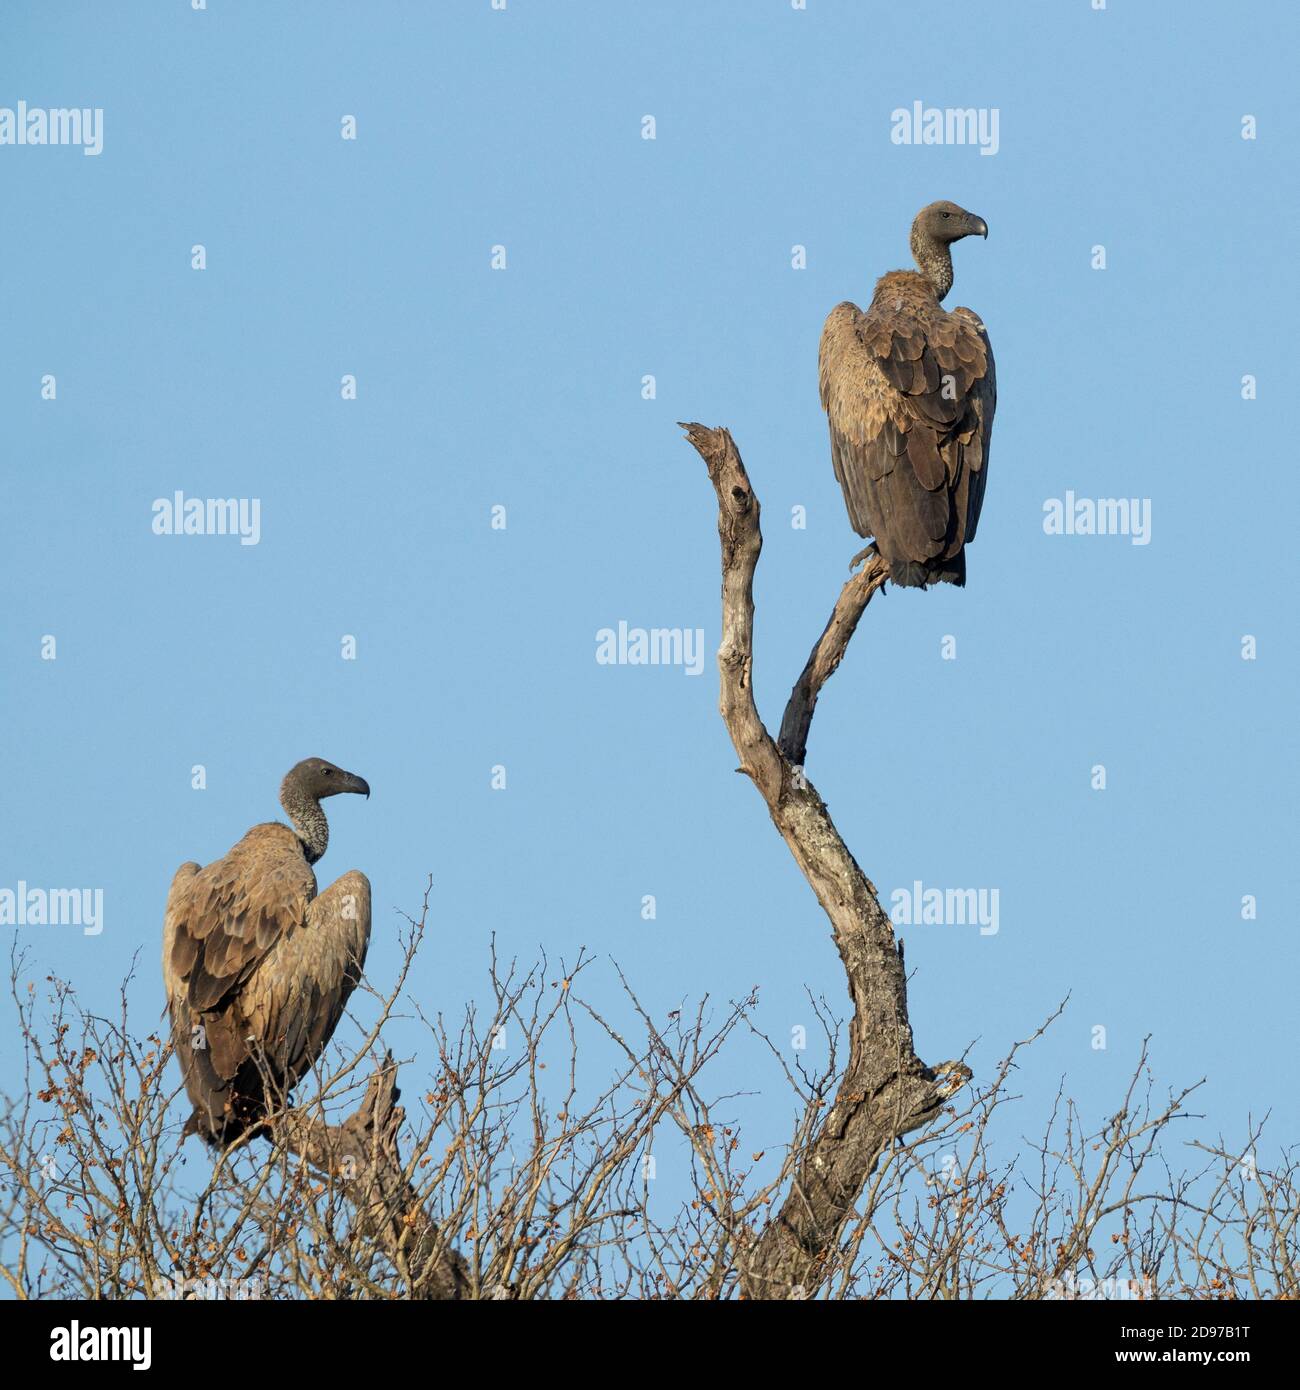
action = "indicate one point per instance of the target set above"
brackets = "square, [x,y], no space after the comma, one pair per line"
[886,1090]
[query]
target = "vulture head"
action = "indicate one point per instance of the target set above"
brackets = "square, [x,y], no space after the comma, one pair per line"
[945,222]
[935,229]
[305,786]
[316,778]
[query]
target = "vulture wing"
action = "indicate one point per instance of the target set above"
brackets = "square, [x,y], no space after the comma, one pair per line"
[295,999]
[984,401]
[177,897]
[909,393]
[258,970]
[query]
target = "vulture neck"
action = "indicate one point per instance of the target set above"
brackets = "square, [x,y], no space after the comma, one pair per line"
[935,260]
[308,821]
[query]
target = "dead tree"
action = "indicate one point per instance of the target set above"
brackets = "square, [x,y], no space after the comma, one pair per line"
[363,1152]
[886,1089]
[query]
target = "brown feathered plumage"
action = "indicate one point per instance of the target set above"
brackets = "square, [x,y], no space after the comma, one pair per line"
[910,390]
[258,968]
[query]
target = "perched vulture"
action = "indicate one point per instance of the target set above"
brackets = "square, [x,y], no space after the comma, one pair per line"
[258,968]
[909,390]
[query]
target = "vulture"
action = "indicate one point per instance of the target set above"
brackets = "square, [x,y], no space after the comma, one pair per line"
[909,390]
[258,967]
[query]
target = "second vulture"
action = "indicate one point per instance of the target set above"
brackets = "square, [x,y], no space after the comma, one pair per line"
[909,389]
[258,968]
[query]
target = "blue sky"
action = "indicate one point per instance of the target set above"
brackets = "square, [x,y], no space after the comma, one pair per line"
[522,388]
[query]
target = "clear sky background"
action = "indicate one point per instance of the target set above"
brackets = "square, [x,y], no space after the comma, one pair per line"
[523,388]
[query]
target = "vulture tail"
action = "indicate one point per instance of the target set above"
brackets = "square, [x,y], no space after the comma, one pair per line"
[920,574]
[220,1133]
[230,1108]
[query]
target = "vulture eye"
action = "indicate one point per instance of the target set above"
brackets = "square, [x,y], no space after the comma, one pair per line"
[945,214]
[329,771]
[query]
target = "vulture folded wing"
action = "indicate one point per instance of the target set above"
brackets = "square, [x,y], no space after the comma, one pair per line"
[984,402]
[864,441]
[903,386]
[220,924]
[235,911]
[295,998]
[177,899]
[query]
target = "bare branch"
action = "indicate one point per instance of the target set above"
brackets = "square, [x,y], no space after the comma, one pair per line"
[363,1152]
[886,1090]
[826,656]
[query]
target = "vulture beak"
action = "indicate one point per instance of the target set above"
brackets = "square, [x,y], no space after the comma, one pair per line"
[979,226]
[353,783]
